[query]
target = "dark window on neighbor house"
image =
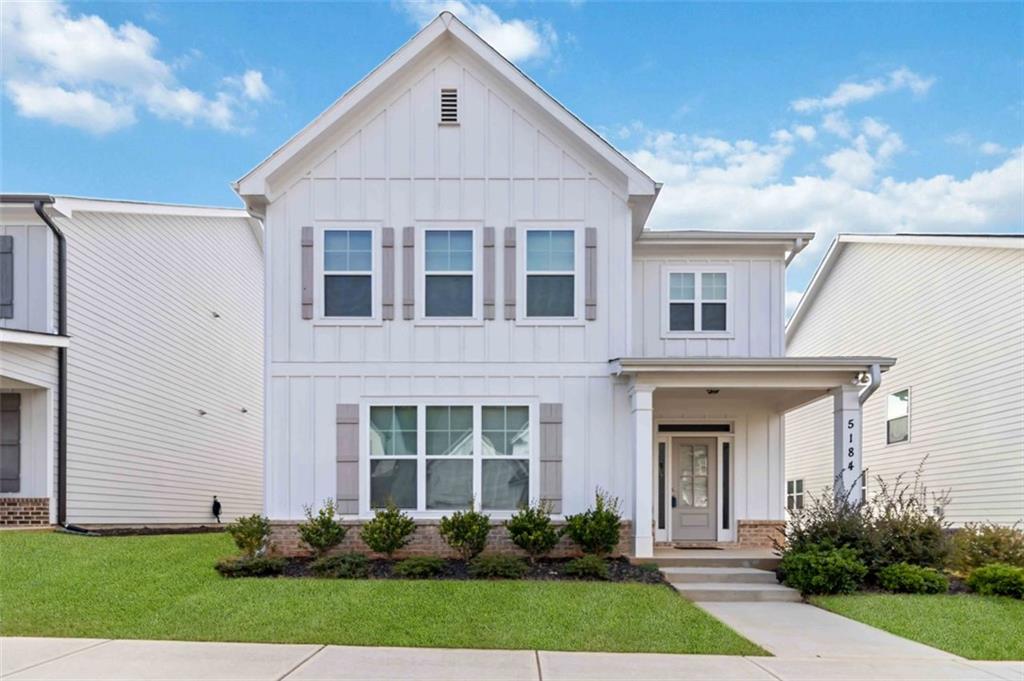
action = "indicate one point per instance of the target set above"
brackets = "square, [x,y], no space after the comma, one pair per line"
[348,273]
[794,495]
[897,417]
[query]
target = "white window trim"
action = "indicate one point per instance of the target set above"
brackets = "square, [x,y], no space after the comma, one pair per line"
[696,270]
[795,494]
[421,403]
[320,318]
[522,229]
[910,408]
[476,227]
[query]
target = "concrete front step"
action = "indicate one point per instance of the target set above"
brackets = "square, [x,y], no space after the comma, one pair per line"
[759,563]
[697,575]
[731,591]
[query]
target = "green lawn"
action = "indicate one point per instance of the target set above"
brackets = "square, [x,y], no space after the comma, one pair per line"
[975,627]
[164,587]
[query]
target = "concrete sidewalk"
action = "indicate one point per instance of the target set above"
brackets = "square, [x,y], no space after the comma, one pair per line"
[38,658]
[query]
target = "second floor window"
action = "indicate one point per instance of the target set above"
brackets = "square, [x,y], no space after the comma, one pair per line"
[897,417]
[550,273]
[698,301]
[348,273]
[448,273]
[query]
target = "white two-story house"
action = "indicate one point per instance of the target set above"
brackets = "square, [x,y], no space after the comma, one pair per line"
[464,307]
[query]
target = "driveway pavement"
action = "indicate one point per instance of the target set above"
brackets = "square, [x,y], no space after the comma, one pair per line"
[37,658]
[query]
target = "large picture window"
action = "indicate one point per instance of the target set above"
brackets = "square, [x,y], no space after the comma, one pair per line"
[348,273]
[550,273]
[897,417]
[448,273]
[698,301]
[450,457]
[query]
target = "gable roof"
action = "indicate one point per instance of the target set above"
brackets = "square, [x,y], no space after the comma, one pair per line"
[252,187]
[827,264]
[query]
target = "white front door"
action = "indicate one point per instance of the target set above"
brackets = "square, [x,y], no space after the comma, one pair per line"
[694,488]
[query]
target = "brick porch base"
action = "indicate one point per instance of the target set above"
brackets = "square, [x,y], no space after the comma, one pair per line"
[426,541]
[24,512]
[767,534]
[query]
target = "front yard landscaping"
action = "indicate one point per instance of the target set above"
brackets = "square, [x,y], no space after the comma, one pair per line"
[975,627]
[164,587]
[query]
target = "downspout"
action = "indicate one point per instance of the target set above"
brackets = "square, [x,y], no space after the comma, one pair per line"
[62,365]
[874,380]
[797,247]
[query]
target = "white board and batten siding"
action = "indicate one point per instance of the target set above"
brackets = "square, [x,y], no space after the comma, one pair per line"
[954,318]
[393,166]
[147,354]
[32,254]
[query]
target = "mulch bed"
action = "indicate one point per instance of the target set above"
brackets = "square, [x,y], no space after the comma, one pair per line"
[619,570]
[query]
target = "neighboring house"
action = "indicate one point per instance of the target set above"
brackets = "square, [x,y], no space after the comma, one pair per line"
[464,308]
[163,362]
[951,307]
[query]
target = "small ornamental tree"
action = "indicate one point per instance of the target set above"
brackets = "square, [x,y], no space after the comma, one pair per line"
[251,534]
[466,532]
[531,530]
[389,530]
[321,532]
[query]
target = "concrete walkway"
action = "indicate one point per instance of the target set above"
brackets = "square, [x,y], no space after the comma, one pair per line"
[37,658]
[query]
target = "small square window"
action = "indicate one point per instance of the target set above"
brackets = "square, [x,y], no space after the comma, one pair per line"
[698,301]
[897,421]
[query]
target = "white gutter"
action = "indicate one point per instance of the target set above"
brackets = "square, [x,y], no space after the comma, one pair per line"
[874,380]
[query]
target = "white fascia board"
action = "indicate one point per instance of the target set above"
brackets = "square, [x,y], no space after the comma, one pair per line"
[628,365]
[50,340]
[953,240]
[67,205]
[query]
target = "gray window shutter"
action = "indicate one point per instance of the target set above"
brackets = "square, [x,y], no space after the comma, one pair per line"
[307,272]
[347,459]
[590,263]
[510,272]
[488,272]
[408,272]
[387,284]
[6,276]
[10,442]
[551,455]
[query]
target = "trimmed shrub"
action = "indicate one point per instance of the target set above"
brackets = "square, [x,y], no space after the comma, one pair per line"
[828,521]
[321,532]
[345,566]
[531,530]
[978,544]
[998,579]
[497,567]
[817,570]
[251,534]
[912,579]
[389,530]
[588,567]
[466,532]
[255,566]
[596,530]
[420,567]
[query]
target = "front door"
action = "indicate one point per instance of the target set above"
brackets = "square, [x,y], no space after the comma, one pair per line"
[694,486]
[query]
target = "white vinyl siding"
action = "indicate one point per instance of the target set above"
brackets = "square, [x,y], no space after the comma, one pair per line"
[957,330]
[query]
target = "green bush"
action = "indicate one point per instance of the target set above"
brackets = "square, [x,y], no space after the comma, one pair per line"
[596,530]
[978,544]
[912,579]
[497,567]
[531,530]
[251,566]
[588,567]
[906,526]
[389,530]
[251,534]
[998,579]
[829,521]
[420,567]
[321,532]
[345,566]
[466,532]
[818,570]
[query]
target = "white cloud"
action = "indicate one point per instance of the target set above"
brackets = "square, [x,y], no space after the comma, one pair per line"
[854,92]
[98,75]
[835,122]
[991,148]
[516,39]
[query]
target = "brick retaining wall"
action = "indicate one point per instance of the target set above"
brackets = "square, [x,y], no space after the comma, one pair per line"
[24,512]
[426,541]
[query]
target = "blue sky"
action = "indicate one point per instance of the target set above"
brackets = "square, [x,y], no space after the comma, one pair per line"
[831,117]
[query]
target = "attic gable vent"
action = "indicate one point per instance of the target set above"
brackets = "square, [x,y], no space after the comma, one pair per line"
[449,105]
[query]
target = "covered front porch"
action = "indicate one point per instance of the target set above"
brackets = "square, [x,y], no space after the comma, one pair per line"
[708,442]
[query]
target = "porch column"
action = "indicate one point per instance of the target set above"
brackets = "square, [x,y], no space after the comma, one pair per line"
[846,451]
[641,398]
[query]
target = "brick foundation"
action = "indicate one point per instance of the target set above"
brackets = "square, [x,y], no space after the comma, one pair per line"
[426,541]
[767,534]
[24,512]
